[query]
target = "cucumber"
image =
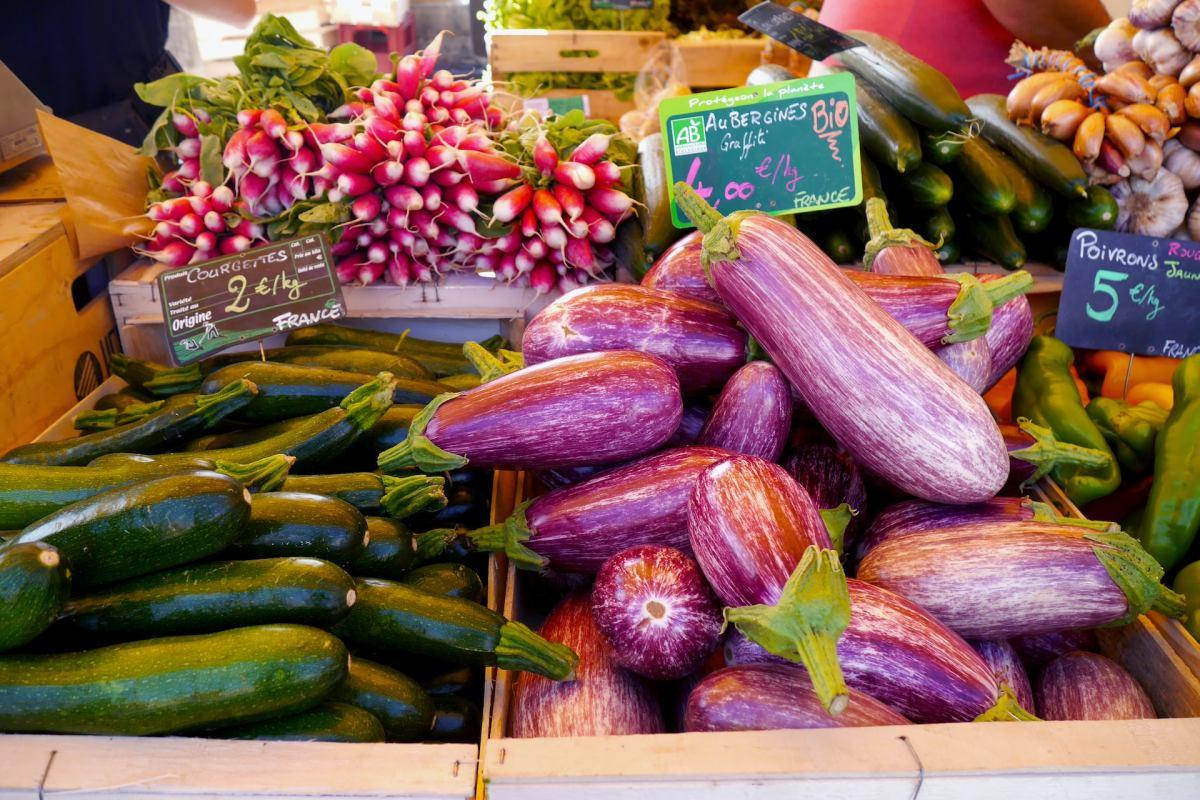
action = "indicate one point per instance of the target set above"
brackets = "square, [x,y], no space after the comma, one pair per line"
[389,431]
[174,684]
[1049,162]
[109,418]
[942,148]
[889,138]
[144,527]
[935,224]
[452,682]
[949,252]
[455,719]
[389,553]
[202,598]
[286,391]
[1033,207]
[440,358]
[395,699]
[988,188]
[297,524]
[915,89]
[34,583]
[1098,210]
[927,186]
[328,722]
[393,617]
[659,230]
[172,424]
[992,238]
[311,441]
[449,580]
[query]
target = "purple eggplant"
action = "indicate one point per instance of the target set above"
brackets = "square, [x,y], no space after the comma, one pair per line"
[602,700]
[767,554]
[1009,336]
[753,414]
[1040,649]
[695,414]
[700,340]
[679,270]
[656,611]
[762,697]
[1033,451]
[1084,686]
[585,410]
[971,361]
[1006,665]
[579,527]
[1004,579]
[831,478]
[883,396]
[902,656]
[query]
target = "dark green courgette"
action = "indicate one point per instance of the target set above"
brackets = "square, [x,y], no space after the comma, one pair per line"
[179,683]
[935,224]
[296,524]
[392,617]
[440,358]
[942,148]
[1098,210]
[889,138]
[1033,207]
[108,418]
[202,598]
[988,188]
[452,682]
[395,699]
[348,359]
[389,553]
[460,383]
[240,436]
[949,252]
[172,424]
[840,245]
[450,580]
[145,526]
[455,719]
[372,493]
[992,238]
[126,397]
[34,584]
[1049,162]
[328,722]
[154,379]
[915,89]
[927,186]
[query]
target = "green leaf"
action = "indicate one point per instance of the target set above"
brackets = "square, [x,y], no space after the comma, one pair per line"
[158,136]
[270,60]
[353,62]
[169,90]
[212,170]
[327,213]
[305,107]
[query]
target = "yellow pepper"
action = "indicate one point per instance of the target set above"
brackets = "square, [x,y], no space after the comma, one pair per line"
[1114,365]
[1160,394]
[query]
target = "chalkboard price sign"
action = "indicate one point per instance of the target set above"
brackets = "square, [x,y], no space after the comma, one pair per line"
[1139,294]
[797,31]
[621,5]
[776,148]
[246,296]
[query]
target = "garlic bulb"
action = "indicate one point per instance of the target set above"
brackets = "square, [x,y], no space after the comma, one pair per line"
[1162,51]
[1148,162]
[1151,14]
[1185,21]
[1183,161]
[1193,221]
[1114,45]
[1150,207]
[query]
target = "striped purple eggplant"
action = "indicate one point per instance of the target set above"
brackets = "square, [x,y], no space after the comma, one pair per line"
[585,410]
[1082,686]
[896,251]
[902,656]
[1006,665]
[602,700]
[1034,451]
[763,697]
[578,528]
[1009,336]
[679,270]
[700,340]
[1003,579]
[831,478]
[971,361]
[1039,649]
[767,554]
[883,396]
[653,606]
[753,413]
[695,414]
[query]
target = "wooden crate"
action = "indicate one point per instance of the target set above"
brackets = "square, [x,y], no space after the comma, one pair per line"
[721,63]
[1068,760]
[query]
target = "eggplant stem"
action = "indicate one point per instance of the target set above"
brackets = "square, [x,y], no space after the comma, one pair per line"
[1010,286]
[1006,709]
[1136,574]
[520,649]
[1048,453]
[884,235]
[970,315]
[418,451]
[509,537]
[836,521]
[696,208]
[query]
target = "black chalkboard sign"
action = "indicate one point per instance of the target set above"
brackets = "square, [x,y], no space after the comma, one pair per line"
[246,296]
[1133,293]
[621,5]
[776,148]
[797,31]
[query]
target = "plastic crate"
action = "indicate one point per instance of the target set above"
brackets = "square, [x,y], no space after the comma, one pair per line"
[382,40]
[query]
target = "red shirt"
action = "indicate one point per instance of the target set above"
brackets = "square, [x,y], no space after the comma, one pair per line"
[959,37]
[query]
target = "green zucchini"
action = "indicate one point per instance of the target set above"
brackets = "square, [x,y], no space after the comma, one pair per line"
[1098,210]
[201,598]
[889,138]
[927,186]
[174,684]
[942,148]
[935,224]
[455,719]
[390,551]
[452,682]
[1033,207]
[460,383]
[393,617]
[109,418]
[128,396]
[296,524]
[914,88]
[240,436]
[440,358]
[949,252]
[659,230]
[363,490]
[328,722]
[449,579]
[145,526]
[34,583]
[347,359]
[988,187]
[286,391]
[840,245]
[311,441]
[1049,162]
[172,424]
[154,379]
[992,238]
[398,701]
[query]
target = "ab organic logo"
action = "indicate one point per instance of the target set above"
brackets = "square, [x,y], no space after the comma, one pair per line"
[687,136]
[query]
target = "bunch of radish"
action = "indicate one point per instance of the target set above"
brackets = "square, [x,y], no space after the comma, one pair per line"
[203,224]
[273,166]
[186,151]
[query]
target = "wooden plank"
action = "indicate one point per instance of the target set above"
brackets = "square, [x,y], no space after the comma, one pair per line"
[720,63]
[26,229]
[1177,636]
[1141,649]
[35,181]
[571,51]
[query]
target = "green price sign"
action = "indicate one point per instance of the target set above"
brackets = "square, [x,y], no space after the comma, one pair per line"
[777,148]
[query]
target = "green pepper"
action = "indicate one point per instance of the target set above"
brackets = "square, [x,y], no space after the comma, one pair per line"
[1173,509]
[1046,394]
[1187,583]
[1129,430]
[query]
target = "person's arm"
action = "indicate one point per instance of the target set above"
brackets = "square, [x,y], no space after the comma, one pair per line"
[231,12]
[1050,23]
